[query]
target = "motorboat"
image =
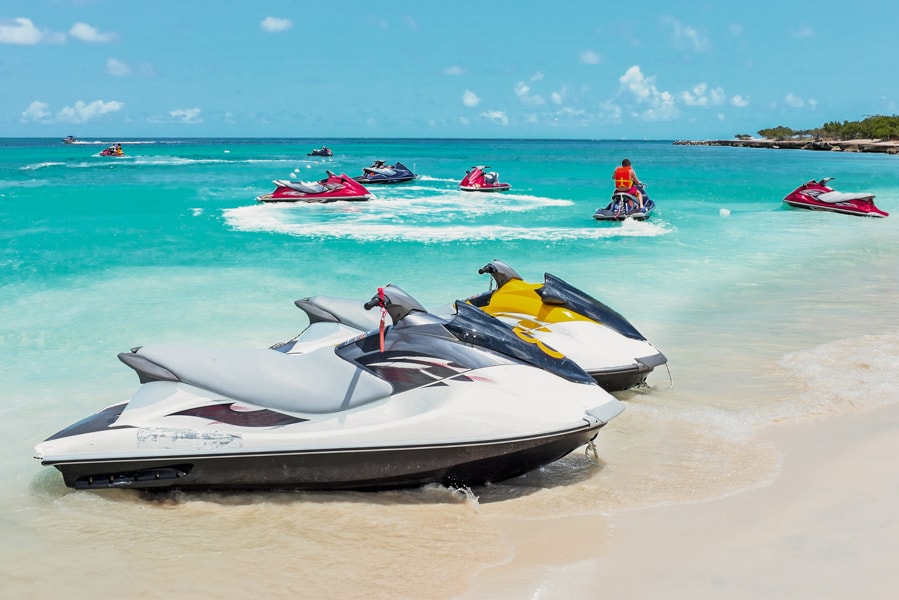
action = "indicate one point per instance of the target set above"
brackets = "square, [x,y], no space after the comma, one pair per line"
[625,205]
[330,189]
[69,139]
[816,195]
[458,400]
[381,172]
[554,314]
[114,150]
[598,338]
[323,151]
[478,179]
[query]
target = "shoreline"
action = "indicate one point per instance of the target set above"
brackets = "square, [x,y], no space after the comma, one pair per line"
[876,146]
[823,527]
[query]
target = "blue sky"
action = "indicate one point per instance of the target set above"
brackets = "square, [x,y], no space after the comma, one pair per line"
[589,69]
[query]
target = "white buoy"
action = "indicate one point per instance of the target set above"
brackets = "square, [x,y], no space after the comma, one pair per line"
[724,212]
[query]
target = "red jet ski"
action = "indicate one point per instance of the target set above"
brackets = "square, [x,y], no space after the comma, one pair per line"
[115,150]
[815,195]
[332,188]
[478,180]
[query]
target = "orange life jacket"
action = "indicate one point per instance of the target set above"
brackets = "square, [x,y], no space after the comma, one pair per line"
[622,177]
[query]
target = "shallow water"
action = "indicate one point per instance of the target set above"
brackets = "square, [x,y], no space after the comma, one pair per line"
[766,314]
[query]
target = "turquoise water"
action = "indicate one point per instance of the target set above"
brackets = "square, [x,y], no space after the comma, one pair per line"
[766,314]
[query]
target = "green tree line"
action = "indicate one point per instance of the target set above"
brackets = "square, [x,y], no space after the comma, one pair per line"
[874,127]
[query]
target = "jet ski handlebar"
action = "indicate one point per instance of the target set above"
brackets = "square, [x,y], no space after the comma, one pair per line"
[395,301]
[500,271]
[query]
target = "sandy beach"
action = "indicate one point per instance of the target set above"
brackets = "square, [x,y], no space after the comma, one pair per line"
[824,527]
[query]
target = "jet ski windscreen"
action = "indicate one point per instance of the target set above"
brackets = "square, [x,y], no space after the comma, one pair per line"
[473,326]
[558,291]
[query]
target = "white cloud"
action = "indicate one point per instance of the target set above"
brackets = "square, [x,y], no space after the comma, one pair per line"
[454,70]
[739,101]
[81,112]
[470,99]
[19,31]
[558,97]
[794,101]
[538,76]
[641,87]
[523,92]
[275,24]
[187,115]
[805,31]
[86,33]
[700,95]
[660,104]
[589,57]
[117,68]
[497,116]
[464,120]
[687,35]
[37,112]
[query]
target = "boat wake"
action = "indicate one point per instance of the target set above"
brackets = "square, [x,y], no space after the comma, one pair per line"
[410,223]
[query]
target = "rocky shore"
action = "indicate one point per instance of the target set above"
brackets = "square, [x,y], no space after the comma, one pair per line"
[881,146]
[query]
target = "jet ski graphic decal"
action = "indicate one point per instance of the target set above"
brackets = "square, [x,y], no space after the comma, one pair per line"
[232,415]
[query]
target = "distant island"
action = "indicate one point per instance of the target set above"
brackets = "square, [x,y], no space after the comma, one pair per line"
[877,133]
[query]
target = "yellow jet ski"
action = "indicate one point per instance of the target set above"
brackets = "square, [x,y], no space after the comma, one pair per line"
[556,314]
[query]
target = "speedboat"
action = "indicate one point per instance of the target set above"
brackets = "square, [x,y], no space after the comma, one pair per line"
[456,401]
[323,151]
[381,172]
[626,206]
[599,339]
[330,189]
[816,195]
[69,139]
[478,179]
[552,314]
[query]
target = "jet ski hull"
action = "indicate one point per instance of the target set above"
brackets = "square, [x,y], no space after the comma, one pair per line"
[615,211]
[486,188]
[335,469]
[858,208]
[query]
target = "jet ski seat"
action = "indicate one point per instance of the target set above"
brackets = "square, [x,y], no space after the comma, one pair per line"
[834,197]
[317,382]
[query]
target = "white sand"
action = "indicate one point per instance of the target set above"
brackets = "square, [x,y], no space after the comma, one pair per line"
[825,527]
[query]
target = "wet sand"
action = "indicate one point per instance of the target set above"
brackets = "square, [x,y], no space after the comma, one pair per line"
[824,527]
